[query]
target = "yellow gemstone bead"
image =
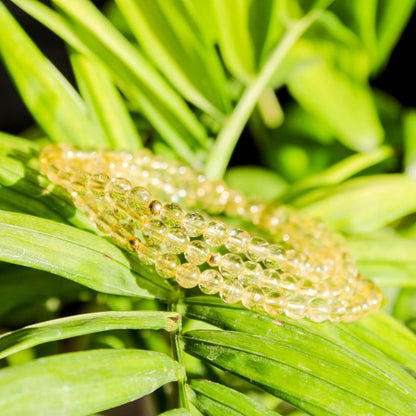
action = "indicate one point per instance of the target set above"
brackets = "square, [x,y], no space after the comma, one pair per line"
[166,265]
[210,282]
[318,310]
[252,297]
[275,257]
[98,183]
[235,204]
[138,199]
[194,224]
[231,266]
[269,280]
[274,302]
[176,241]
[118,189]
[197,252]
[251,274]
[237,240]
[231,291]
[187,275]
[215,233]
[147,255]
[257,249]
[121,235]
[214,195]
[171,214]
[296,307]
[154,232]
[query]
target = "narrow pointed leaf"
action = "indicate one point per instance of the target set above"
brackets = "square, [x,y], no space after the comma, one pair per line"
[216,400]
[176,412]
[81,383]
[49,97]
[77,255]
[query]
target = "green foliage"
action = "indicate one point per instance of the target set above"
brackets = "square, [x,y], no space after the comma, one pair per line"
[174,75]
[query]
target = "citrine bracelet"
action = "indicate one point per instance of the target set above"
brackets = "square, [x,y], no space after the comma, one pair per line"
[175,219]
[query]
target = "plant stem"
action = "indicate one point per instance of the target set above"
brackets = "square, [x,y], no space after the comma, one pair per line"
[227,139]
[178,356]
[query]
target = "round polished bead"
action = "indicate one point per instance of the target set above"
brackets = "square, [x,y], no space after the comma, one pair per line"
[64,176]
[235,204]
[166,265]
[210,281]
[214,195]
[237,240]
[257,249]
[171,214]
[79,182]
[296,307]
[197,252]
[121,234]
[318,310]
[154,232]
[187,275]
[138,199]
[231,291]
[97,184]
[215,233]
[288,281]
[274,302]
[269,280]
[118,189]
[105,221]
[214,259]
[194,224]
[154,207]
[251,273]
[147,255]
[275,257]
[176,240]
[231,266]
[252,297]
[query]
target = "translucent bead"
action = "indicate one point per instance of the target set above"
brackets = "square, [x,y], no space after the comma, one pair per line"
[197,252]
[118,189]
[296,307]
[154,232]
[231,266]
[253,209]
[97,184]
[176,241]
[235,204]
[147,255]
[214,259]
[105,221]
[337,311]
[269,280]
[318,310]
[215,233]
[187,275]
[154,207]
[64,176]
[307,288]
[166,265]
[257,249]
[210,282]
[194,224]
[138,199]
[214,195]
[252,297]
[79,182]
[231,291]
[237,240]
[274,302]
[121,235]
[294,261]
[275,256]
[250,274]
[171,214]
[288,281]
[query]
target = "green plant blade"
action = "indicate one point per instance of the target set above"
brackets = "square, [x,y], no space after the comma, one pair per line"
[77,255]
[323,341]
[363,204]
[138,79]
[176,412]
[318,386]
[216,400]
[345,105]
[410,143]
[77,325]
[83,382]
[107,108]
[49,97]
[169,36]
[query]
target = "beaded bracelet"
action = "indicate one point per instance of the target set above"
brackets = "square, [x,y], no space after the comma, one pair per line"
[302,268]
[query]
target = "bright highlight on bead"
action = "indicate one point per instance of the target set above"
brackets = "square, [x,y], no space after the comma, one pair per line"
[138,200]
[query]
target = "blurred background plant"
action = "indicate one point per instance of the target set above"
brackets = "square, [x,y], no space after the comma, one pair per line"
[280,91]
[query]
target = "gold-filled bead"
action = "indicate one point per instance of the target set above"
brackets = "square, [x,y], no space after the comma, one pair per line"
[155,206]
[214,259]
[197,252]
[215,233]
[210,281]
[166,265]
[187,275]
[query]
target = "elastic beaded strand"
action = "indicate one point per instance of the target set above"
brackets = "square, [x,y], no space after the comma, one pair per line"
[305,270]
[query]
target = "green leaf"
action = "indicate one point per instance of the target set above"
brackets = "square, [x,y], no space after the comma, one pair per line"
[410,143]
[170,37]
[319,386]
[107,108]
[77,325]
[389,260]
[77,255]
[216,400]
[362,204]
[340,102]
[49,97]
[392,17]
[83,382]
[255,180]
[176,412]
[323,342]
